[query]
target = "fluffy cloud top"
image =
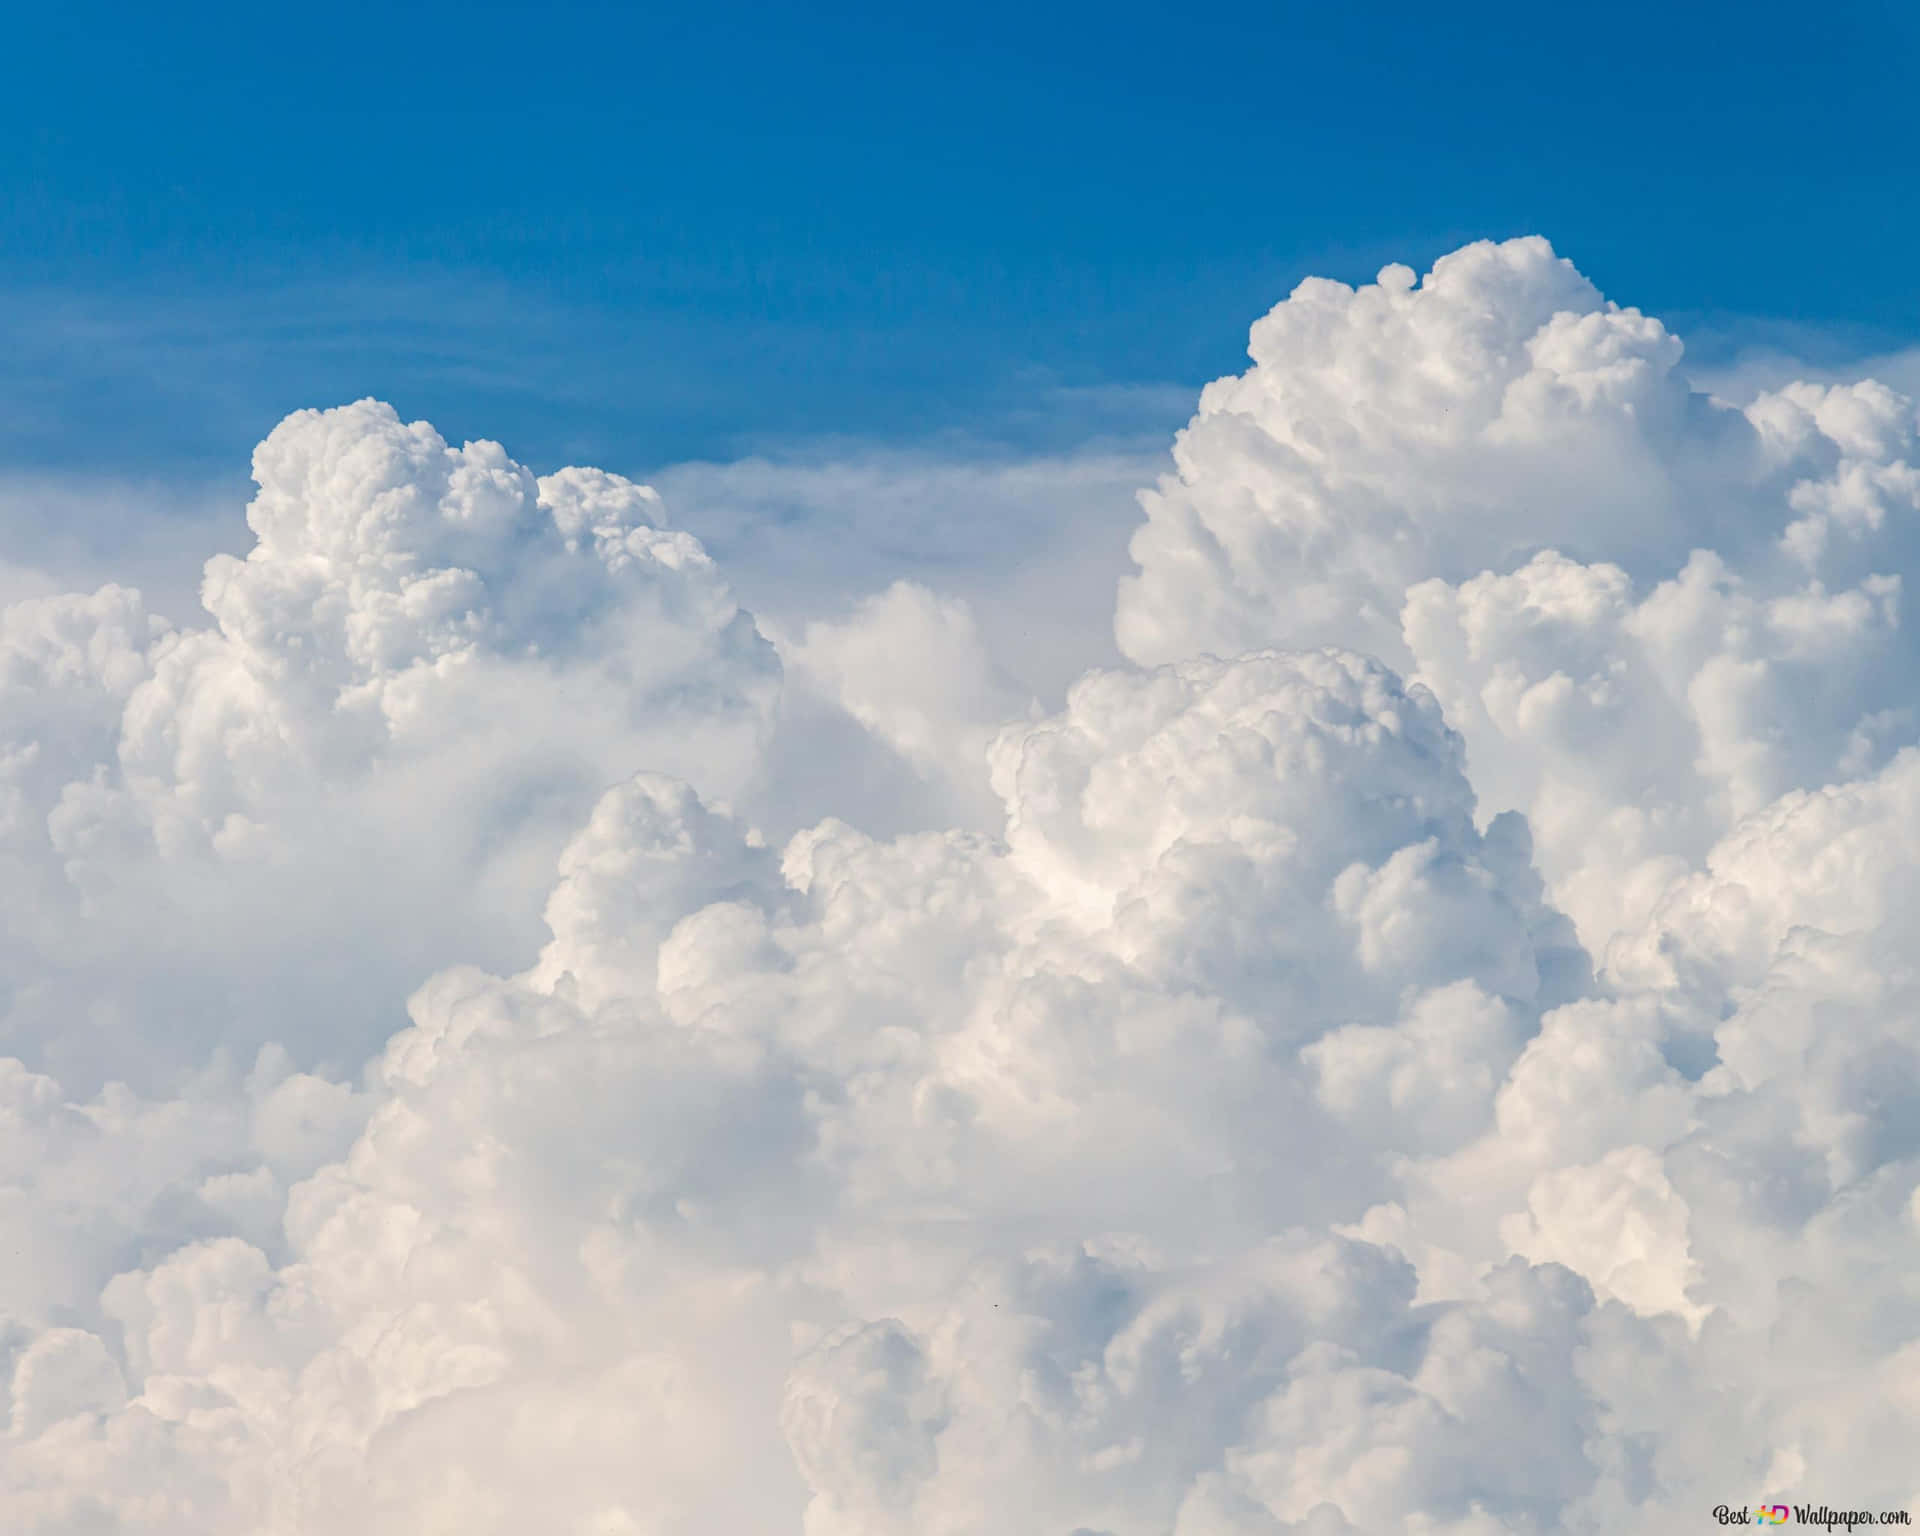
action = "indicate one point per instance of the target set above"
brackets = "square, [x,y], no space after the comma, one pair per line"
[404,700]
[1648,612]
[1427,1047]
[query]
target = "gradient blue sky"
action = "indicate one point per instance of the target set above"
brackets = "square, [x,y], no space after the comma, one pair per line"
[637,234]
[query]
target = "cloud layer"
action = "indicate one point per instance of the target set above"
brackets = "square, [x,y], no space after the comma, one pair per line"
[1427,1045]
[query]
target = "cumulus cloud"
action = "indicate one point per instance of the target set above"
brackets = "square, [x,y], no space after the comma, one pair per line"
[1649,613]
[364,763]
[1425,1045]
[912,668]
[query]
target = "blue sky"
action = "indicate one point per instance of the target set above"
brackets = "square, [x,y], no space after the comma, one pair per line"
[639,235]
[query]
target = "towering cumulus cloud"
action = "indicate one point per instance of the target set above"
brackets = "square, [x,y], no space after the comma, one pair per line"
[1429,1046]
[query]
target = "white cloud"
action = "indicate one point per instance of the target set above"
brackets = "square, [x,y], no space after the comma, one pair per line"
[1427,1046]
[1032,545]
[913,669]
[1647,611]
[407,696]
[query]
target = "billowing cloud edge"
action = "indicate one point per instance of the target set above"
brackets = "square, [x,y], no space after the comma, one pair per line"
[1428,1048]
